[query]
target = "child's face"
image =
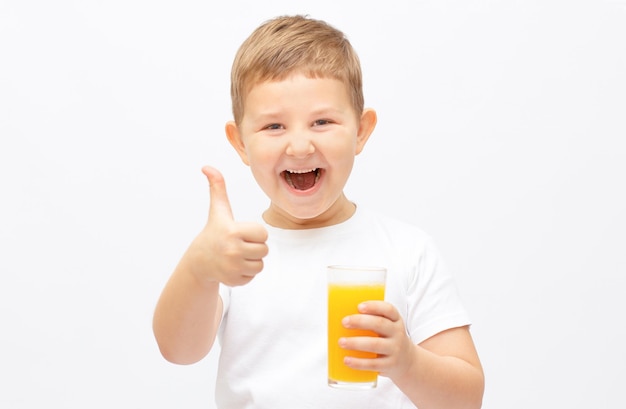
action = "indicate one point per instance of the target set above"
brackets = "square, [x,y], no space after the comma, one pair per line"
[300,136]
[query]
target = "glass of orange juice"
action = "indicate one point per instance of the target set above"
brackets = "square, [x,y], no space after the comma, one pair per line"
[348,286]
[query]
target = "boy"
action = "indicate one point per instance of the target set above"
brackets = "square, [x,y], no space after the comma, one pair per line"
[299,122]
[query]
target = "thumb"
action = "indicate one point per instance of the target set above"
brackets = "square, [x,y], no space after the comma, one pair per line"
[219,205]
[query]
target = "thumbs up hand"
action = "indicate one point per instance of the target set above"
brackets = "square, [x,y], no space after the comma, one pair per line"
[227,251]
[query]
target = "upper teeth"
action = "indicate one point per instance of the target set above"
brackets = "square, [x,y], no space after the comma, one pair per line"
[301,171]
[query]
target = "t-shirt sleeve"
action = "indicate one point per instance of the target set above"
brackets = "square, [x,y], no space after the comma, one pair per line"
[434,303]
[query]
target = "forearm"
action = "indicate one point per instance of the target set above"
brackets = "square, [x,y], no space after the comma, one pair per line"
[186,317]
[442,382]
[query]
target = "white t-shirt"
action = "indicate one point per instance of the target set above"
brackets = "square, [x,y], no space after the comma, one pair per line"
[273,333]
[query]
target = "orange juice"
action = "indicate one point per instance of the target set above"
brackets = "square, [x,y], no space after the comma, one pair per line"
[343,300]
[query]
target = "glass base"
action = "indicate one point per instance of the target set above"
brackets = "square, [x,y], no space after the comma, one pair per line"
[355,386]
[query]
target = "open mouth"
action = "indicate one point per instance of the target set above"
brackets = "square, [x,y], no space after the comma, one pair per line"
[302,179]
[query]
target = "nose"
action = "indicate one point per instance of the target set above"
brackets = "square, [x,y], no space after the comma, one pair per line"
[300,145]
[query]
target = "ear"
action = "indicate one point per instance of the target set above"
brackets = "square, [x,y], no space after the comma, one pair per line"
[234,137]
[367,124]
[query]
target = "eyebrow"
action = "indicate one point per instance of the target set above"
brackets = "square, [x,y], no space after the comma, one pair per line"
[322,111]
[266,116]
[326,111]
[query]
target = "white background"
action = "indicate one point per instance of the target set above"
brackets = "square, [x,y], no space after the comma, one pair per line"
[501,129]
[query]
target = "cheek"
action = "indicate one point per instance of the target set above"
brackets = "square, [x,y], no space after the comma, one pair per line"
[345,153]
[260,157]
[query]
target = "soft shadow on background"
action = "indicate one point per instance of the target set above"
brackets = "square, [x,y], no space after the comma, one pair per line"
[501,133]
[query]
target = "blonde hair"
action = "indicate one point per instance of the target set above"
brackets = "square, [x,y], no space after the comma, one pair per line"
[294,44]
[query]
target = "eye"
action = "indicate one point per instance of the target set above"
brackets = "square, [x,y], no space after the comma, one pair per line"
[274,126]
[320,122]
